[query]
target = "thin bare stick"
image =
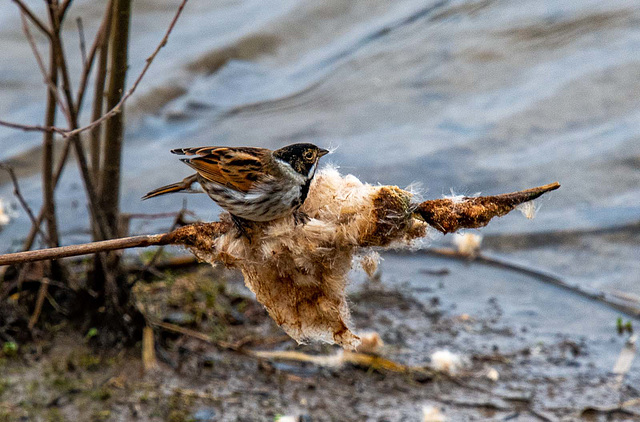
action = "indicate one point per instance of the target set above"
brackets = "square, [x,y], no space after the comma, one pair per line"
[177,221]
[33,128]
[18,194]
[102,32]
[72,117]
[182,330]
[48,200]
[484,258]
[109,183]
[149,361]
[84,249]
[34,47]
[58,48]
[36,53]
[98,95]
[42,293]
[83,47]
[185,236]
[98,44]
[116,109]
[64,7]
[37,22]
[35,228]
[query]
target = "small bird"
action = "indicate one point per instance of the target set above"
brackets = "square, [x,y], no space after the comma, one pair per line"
[254,184]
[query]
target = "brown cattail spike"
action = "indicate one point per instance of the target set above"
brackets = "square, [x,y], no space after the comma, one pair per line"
[449,215]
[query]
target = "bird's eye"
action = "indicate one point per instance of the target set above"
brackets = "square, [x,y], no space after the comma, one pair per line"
[308,155]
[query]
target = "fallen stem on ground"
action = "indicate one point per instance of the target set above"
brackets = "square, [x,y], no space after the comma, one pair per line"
[603,297]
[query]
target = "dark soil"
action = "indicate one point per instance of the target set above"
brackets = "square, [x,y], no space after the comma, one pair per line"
[66,378]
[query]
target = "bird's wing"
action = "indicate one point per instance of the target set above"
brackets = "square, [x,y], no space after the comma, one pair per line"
[237,168]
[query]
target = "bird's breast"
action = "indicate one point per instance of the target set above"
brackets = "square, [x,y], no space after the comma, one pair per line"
[269,200]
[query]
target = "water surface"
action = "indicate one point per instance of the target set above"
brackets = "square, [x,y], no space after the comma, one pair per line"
[475,96]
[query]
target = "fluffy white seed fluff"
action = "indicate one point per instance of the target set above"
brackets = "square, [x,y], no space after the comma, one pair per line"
[528,209]
[299,272]
[446,361]
[493,374]
[467,243]
[5,216]
[371,343]
[432,414]
[370,262]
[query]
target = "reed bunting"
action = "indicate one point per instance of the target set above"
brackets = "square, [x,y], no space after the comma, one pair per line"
[254,184]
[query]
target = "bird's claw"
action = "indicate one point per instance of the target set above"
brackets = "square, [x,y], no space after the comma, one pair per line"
[300,217]
[241,226]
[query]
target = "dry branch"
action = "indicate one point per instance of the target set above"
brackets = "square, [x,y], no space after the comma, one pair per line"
[23,202]
[44,285]
[48,201]
[37,22]
[53,88]
[185,236]
[102,42]
[299,271]
[33,128]
[608,298]
[109,184]
[99,42]
[74,131]
[116,108]
[477,213]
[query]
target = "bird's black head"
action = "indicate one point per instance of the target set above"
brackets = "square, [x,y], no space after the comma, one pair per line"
[301,157]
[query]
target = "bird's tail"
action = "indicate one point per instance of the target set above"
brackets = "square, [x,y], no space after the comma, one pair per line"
[184,185]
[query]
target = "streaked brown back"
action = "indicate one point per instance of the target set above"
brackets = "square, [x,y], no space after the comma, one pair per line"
[238,168]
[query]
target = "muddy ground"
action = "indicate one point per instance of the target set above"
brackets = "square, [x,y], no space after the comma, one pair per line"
[511,367]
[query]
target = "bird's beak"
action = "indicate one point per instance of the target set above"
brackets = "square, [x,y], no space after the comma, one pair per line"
[322,152]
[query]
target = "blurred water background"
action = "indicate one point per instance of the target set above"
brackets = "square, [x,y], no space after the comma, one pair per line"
[476,96]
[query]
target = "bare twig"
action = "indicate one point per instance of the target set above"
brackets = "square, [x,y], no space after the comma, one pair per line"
[99,43]
[42,293]
[83,47]
[64,7]
[35,228]
[102,32]
[109,183]
[37,22]
[45,75]
[33,128]
[18,194]
[182,236]
[182,330]
[98,96]
[149,360]
[84,249]
[177,221]
[48,200]
[603,297]
[72,117]
[116,109]
[60,57]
